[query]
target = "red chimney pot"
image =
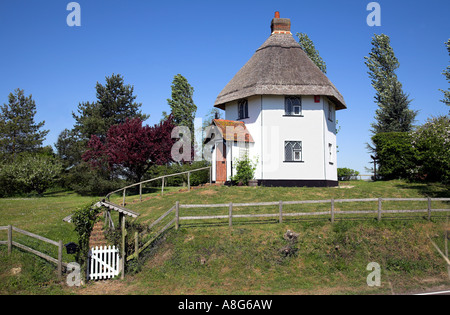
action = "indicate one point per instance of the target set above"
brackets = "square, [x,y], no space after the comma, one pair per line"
[277,15]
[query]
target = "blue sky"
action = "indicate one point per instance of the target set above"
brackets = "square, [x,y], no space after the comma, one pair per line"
[148,42]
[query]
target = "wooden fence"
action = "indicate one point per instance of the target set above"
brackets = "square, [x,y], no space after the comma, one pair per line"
[280,215]
[163,180]
[58,261]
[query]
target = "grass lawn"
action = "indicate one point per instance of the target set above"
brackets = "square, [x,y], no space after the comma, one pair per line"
[211,258]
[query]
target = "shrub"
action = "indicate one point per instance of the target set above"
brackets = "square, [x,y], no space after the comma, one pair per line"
[347,174]
[245,170]
[196,178]
[89,182]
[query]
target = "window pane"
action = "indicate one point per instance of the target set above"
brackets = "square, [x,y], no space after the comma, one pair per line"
[288,151]
[288,106]
[297,145]
[293,105]
[242,109]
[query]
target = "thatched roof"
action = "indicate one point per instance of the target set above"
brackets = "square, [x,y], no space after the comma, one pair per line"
[279,67]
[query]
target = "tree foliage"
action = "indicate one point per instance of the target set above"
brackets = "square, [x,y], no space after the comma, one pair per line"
[245,170]
[423,154]
[18,131]
[446,73]
[347,174]
[69,148]
[182,104]
[131,148]
[432,142]
[397,158]
[308,47]
[28,173]
[115,104]
[393,113]
[84,219]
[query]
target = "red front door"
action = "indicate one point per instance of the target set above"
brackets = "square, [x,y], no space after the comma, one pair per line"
[221,163]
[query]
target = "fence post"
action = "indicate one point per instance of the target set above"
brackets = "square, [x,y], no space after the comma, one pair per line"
[210,176]
[177,215]
[230,215]
[136,245]
[140,192]
[162,186]
[60,250]
[9,239]
[379,209]
[189,181]
[124,192]
[124,232]
[429,208]
[281,212]
[332,210]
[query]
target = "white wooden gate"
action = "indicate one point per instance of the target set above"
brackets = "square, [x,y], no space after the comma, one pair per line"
[104,263]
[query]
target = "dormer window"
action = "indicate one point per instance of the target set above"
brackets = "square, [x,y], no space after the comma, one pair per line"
[293,106]
[243,109]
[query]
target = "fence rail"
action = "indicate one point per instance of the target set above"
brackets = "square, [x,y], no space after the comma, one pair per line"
[58,261]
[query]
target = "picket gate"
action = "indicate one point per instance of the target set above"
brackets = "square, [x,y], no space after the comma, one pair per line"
[104,263]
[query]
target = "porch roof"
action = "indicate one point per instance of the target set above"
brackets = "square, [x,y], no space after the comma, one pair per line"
[231,130]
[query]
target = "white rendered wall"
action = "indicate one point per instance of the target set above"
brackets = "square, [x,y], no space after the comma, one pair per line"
[270,128]
[330,138]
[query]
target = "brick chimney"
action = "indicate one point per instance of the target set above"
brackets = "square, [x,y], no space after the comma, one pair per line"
[280,26]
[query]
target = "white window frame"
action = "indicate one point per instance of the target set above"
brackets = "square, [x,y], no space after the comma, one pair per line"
[330,111]
[294,151]
[289,109]
[243,109]
[330,153]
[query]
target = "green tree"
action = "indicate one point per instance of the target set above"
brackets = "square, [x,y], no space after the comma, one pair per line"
[446,73]
[432,141]
[308,47]
[28,173]
[69,148]
[393,113]
[397,157]
[18,130]
[182,104]
[115,103]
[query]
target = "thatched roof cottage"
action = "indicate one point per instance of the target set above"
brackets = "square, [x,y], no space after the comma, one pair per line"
[287,106]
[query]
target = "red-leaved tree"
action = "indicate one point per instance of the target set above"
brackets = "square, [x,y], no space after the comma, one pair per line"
[131,148]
